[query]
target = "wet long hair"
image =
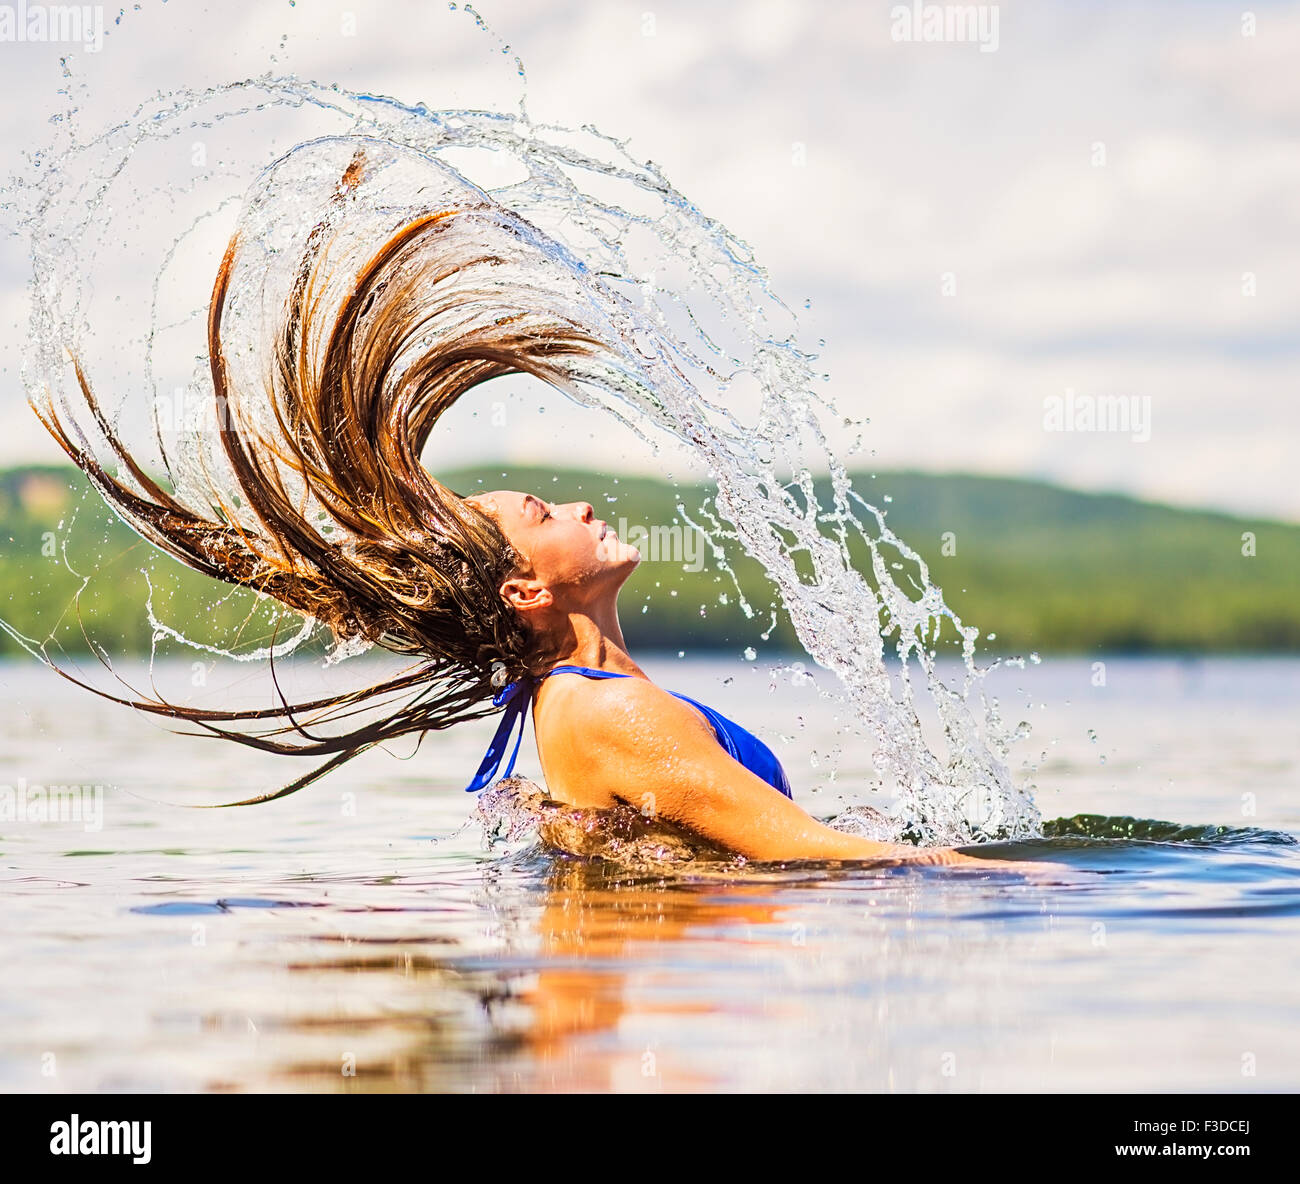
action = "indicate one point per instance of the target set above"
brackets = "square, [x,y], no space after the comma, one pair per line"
[331,511]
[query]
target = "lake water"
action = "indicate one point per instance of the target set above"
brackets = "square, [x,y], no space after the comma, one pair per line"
[359,936]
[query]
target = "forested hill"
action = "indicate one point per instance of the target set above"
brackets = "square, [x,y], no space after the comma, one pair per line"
[1041,567]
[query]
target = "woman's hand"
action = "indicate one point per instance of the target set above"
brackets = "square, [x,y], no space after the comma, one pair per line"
[1033,869]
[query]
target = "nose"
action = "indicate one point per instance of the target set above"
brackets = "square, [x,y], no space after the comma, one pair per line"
[585,511]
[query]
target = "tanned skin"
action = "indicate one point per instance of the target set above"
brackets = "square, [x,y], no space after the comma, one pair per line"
[604,742]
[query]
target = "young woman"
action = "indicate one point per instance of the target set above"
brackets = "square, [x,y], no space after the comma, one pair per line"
[607,735]
[316,496]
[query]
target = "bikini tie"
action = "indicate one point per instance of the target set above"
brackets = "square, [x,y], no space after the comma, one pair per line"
[515,698]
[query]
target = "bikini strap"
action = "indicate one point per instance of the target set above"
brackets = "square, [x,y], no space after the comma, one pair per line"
[516,698]
[589,671]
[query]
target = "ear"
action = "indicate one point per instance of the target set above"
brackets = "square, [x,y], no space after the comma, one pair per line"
[526,595]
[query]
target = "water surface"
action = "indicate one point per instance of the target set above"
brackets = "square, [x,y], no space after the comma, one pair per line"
[359,936]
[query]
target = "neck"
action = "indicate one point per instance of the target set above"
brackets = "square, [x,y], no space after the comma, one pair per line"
[594,637]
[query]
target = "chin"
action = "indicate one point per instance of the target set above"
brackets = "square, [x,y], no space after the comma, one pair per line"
[621,566]
[621,556]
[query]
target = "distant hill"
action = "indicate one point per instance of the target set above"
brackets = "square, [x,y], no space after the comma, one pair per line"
[1042,567]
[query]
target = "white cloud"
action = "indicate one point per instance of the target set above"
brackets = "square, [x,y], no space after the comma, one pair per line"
[915,160]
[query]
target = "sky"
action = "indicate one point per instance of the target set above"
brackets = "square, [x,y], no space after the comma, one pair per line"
[1079,207]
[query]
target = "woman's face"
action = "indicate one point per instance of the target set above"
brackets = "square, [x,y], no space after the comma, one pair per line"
[567,548]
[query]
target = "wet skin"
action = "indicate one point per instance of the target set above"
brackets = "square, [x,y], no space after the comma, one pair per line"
[603,742]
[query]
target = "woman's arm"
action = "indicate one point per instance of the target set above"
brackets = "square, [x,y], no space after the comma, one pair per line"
[657,754]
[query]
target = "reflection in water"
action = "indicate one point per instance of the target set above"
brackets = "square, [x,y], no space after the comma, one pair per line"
[594,923]
[569,972]
[606,978]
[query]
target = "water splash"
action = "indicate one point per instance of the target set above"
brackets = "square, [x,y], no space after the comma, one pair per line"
[515,809]
[691,328]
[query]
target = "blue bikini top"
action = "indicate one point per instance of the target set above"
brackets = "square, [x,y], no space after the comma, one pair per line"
[741,745]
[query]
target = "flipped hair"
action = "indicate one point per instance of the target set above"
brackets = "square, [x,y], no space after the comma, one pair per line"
[331,511]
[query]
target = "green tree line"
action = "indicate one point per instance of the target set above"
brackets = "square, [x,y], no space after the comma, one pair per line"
[1035,566]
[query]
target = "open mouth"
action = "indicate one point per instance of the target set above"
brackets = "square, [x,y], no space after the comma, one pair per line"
[604,529]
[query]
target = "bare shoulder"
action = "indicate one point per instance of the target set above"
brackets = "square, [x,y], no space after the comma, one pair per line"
[622,713]
[602,740]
